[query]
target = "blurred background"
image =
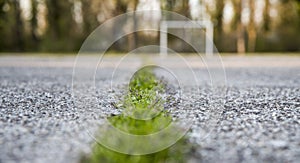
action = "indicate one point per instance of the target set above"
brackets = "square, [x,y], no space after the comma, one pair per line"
[62,25]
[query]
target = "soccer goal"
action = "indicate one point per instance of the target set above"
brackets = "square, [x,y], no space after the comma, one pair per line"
[206,26]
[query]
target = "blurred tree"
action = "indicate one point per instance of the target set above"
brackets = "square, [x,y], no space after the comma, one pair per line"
[184,8]
[298,7]
[4,8]
[61,26]
[18,28]
[89,15]
[133,38]
[167,5]
[179,6]
[266,16]
[34,22]
[288,25]
[238,25]
[251,28]
[218,16]
[21,31]
[120,7]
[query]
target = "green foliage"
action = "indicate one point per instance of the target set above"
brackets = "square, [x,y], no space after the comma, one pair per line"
[145,88]
[141,127]
[144,80]
[174,154]
[144,94]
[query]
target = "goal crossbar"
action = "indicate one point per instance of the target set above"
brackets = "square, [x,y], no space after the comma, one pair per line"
[207,25]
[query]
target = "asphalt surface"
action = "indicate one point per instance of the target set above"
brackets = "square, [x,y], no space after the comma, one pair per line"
[40,120]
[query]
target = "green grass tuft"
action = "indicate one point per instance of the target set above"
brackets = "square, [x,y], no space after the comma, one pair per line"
[143,97]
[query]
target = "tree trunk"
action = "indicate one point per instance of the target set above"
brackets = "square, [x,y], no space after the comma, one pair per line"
[33,22]
[185,10]
[61,27]
[133,38]
[241,49]
[89,16]
[240,27]
[18,26]
[167,5]
[251,28]
[120,8]
[219,27]
[266,16]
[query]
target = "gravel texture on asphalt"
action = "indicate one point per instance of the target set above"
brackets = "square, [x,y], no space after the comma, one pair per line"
[260,120]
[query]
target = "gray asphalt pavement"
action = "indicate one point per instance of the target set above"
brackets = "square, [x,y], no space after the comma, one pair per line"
[260,121]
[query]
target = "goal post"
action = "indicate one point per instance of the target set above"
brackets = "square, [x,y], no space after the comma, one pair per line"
[205,24]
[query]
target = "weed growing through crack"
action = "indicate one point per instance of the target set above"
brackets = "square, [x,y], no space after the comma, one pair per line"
[143,114]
